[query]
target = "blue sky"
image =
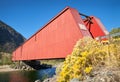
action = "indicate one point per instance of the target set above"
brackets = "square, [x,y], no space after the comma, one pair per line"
[28,16]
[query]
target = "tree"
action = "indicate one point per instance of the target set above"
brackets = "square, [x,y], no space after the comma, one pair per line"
[115,30]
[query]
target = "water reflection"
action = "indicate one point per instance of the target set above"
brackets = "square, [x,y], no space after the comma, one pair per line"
[26,76]
[17,77]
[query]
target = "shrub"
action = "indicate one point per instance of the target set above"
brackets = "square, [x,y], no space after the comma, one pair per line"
[5,59]
[86,56]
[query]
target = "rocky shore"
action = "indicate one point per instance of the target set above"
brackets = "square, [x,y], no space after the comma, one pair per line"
[52,79]
[22,66]
[15,67]
[101,74]
[7,68]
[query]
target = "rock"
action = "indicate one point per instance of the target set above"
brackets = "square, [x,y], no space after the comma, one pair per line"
[104,75]
[15,67]
[38,80]
[23,67]
[109,73]
[47,80]
[28,68]
[53,79]
[74,80]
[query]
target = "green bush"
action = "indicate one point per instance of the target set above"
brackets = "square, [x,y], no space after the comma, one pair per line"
[5,59]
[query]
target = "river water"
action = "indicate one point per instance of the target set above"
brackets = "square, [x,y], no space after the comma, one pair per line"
[26,76]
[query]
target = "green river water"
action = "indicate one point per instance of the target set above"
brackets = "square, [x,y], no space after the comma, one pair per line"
[26,76]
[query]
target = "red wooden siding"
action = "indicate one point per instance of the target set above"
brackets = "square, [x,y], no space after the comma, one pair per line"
[56,39]
[96,27]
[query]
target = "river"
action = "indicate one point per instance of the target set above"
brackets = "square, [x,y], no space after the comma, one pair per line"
[26,76]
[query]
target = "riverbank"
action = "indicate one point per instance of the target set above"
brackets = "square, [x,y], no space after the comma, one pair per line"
[7,68]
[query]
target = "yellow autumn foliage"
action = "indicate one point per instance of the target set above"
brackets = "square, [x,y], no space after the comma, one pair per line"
[88,54]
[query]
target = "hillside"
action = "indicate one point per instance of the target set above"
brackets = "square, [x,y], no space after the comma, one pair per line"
[9,38]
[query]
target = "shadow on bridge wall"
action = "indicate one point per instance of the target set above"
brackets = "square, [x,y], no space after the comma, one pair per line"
[35,64]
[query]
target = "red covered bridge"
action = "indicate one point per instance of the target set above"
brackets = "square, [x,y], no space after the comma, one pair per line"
[57,38]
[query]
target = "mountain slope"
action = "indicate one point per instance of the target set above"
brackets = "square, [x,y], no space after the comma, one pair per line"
[9,38]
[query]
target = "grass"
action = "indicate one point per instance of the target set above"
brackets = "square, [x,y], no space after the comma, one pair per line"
[52,62]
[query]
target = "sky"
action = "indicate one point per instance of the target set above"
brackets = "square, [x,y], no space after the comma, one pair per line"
[28,16]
